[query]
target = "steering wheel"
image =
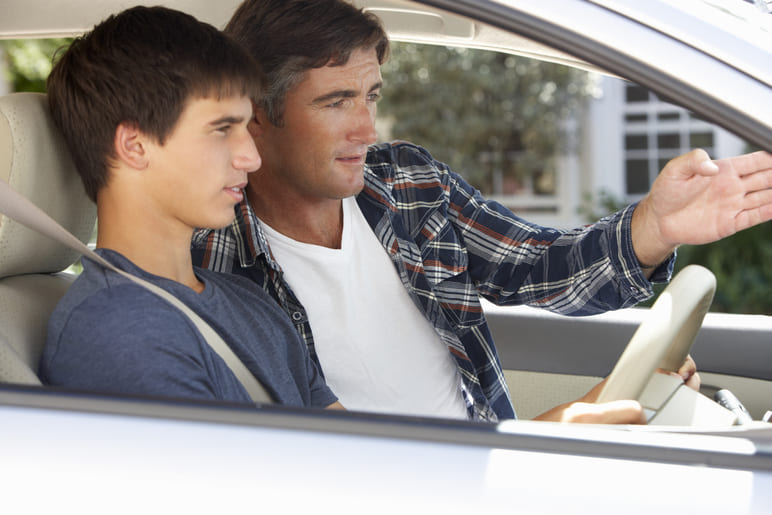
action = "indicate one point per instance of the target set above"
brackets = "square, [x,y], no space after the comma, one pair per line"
[663,341]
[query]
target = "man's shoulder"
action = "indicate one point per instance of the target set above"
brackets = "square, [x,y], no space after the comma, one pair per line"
[232,247]
[405,164]
[398,153]
[406,170]
[203,239]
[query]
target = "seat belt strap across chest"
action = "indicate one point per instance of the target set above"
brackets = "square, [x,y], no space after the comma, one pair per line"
[17,207]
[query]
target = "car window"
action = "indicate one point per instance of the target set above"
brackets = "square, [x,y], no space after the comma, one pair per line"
[558,145]
[562,146]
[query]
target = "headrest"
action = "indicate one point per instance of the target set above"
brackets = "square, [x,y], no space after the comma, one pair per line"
[35,161]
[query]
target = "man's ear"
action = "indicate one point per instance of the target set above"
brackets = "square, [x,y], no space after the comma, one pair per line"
[258,121]
[130,146]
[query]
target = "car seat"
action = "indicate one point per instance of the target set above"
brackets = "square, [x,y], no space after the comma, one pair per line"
[35,162]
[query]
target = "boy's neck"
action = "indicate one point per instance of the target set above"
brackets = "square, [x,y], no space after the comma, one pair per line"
[162,249]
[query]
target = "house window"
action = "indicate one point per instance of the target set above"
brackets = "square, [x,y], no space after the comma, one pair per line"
[655,132]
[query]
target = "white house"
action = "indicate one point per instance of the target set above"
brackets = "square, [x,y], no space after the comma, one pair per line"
[624,139]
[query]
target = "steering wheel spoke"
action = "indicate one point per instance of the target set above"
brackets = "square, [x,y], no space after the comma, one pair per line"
[663,341]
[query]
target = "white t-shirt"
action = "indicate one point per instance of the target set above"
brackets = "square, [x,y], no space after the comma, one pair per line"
[377,350]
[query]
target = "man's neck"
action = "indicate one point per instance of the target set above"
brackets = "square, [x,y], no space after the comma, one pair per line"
[312,221]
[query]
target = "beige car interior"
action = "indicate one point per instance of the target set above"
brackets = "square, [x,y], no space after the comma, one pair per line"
[35,162]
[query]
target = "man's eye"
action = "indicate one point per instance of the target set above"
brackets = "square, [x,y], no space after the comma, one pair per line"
[337,103]
[224,129]
[374,97]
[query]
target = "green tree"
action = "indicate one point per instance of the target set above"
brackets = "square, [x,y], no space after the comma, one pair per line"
[481,111]
[29,61]
[741,264]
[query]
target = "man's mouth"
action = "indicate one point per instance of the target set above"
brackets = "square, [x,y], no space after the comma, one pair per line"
[353,159]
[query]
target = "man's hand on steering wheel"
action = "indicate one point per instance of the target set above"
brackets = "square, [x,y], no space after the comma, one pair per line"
[586,411]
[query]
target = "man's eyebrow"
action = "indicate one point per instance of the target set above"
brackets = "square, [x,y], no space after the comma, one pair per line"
[344,93]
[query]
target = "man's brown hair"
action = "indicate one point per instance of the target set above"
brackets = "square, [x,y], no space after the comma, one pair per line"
[290,37]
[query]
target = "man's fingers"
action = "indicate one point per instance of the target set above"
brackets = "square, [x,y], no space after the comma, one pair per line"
[694,382]
[700,162]
[695,162]
[747,165]
[614,412]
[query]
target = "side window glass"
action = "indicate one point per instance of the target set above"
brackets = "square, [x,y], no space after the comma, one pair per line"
[562,147]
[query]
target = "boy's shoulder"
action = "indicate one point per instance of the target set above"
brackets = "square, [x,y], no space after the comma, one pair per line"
[102,300]
[96,281]
[111,299]
[105,321]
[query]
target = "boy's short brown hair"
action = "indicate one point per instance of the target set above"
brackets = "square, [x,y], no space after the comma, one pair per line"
[140,66]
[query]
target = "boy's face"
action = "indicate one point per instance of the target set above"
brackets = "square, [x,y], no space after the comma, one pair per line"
[197,176]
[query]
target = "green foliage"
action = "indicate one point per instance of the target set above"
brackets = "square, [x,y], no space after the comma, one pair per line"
[594,209]
[510,116]
[29,61]
[742,264]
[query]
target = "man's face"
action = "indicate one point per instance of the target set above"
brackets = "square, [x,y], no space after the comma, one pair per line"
[198,174]
[329,121]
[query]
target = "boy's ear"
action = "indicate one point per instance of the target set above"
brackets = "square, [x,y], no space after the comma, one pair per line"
[130,146]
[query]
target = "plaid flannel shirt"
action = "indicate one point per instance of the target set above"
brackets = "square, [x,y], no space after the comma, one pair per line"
[450,246]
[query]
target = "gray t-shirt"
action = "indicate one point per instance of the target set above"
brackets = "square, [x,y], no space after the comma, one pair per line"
[111,335]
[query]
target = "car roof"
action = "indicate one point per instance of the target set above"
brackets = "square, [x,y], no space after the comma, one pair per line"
[717,27]
[712,25]
[404,21]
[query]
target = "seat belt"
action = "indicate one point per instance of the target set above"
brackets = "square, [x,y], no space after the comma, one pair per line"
[19,208]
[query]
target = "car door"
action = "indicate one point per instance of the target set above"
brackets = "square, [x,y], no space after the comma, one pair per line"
[665,51]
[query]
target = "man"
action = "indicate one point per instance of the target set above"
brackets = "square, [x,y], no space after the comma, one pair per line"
[154,107]
[384,252]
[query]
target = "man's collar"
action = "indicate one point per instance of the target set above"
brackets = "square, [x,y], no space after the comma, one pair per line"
[247,229]
[251,242]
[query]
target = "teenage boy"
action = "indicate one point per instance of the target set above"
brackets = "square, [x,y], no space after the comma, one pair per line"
[154,106]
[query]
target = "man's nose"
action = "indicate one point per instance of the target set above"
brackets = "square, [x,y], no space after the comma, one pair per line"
[364,129]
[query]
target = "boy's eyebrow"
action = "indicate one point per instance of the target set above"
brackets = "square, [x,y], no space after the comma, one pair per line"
[228,119]
[344,93]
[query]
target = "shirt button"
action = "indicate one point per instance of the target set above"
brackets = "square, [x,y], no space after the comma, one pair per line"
[297,316]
